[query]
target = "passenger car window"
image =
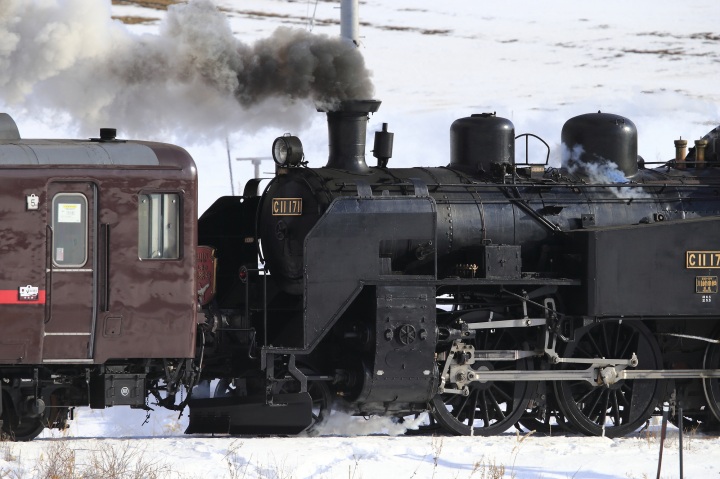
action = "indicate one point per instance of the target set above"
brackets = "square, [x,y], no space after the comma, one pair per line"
[70,229]
[159,226]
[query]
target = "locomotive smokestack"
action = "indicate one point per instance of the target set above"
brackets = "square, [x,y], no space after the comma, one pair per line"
[347,126]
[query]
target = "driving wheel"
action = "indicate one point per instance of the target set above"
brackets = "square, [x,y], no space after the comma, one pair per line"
[620,408]
[490,407]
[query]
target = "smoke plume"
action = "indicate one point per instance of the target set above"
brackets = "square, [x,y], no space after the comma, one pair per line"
[194,78]
[603,172]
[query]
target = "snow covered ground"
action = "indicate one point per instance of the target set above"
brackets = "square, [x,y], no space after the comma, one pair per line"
[536,63]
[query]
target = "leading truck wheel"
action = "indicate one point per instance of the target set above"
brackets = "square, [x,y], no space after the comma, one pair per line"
[620,408]
[321,397]
[491,407]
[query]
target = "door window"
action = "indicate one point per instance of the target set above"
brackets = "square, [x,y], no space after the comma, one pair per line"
[70,229]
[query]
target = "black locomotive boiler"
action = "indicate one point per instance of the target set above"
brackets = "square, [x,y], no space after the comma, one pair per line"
[489,292]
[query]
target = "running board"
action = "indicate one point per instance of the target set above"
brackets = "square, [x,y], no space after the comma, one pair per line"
[284,414]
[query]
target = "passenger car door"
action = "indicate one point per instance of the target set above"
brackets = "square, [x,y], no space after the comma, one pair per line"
[71,272]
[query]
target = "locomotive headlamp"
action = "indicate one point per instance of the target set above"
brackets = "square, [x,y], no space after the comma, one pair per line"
[287,151]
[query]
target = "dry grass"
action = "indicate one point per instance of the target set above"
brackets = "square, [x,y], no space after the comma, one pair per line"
[129,20]
[108,461]
[57,462]
[8,452]
[154,4]
[151,4]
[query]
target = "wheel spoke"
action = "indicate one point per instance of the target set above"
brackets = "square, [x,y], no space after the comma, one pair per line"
[616,408]
[496,405]
[606,396]
[474,408]
[617,343]
[591,410]
[598,350]
[626,350]
[501,393]
[626,391]
[590,392]
[581,352]
[463,405]
[607,347]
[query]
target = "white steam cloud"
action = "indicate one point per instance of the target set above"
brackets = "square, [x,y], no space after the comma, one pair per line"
[340,423]
[193,79]
[603,172]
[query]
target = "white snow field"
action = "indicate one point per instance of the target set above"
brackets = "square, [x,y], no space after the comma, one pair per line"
[536,63]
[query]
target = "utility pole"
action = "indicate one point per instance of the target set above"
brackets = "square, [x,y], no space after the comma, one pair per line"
[232,183]
[349,24]
[255,162]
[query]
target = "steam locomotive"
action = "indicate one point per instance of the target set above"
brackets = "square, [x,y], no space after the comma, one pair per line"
[490,292]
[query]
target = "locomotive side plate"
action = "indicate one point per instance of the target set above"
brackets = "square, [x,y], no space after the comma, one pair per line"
[706,284]
[288,207]
[702,259]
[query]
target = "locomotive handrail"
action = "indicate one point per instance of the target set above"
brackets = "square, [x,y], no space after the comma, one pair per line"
[105,258]
[523,204]
[264,307]
[681,182]
[527,156]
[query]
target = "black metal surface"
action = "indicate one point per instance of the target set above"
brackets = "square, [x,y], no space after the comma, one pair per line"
[118,390]
[343,250]
[403,367]
[640,270]
[502,262]
[286,414]
[383,146]
[481,141]
[347,126]
[604,138]
[229,226]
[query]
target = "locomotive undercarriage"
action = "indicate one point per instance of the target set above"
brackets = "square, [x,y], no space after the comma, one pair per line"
[596,376]
[503,356]
[35,398]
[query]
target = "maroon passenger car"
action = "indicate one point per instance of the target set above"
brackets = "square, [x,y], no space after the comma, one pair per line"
[97,285]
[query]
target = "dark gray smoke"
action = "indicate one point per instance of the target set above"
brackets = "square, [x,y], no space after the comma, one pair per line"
[194,79]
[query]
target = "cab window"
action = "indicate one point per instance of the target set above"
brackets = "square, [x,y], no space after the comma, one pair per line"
[159,226]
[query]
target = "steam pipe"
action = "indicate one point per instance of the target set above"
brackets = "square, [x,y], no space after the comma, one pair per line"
[680,153]
[700,146]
